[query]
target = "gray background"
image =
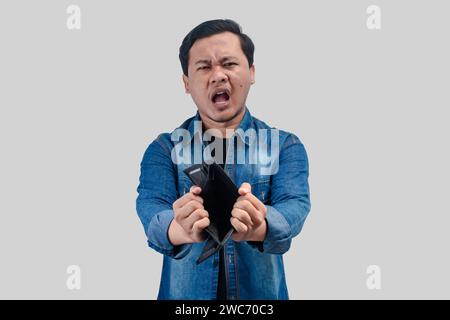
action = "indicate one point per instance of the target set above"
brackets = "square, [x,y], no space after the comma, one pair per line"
[78,109]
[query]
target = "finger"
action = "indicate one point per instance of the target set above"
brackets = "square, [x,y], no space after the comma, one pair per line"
[238,225]
[245,205]
[256,217]
[200,225]
[184,212]
[242,215]
[180,202]
[253,200]
[195,190]
[245,188]
[194,217]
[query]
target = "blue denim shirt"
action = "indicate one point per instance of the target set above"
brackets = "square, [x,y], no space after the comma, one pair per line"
[253,270]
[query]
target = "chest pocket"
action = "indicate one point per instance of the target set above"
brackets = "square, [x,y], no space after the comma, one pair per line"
[261,189]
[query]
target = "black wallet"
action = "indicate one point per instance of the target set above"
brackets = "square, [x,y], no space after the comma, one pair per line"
[219,194]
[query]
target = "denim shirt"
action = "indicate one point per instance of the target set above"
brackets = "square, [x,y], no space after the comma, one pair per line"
[254,270]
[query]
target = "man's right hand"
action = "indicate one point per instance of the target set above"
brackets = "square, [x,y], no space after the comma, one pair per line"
[190,219]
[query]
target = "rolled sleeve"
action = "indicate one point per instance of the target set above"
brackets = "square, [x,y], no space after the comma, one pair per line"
[158,238]
[278,235]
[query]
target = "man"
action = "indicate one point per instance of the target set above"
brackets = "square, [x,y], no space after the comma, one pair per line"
[218,70]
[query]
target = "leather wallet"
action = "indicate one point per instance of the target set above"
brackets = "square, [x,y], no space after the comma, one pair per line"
[219,194]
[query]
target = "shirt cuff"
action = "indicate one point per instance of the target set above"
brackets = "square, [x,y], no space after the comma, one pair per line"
[278,235]
[158,237]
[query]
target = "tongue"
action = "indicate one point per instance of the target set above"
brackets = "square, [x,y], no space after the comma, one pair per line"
[221,97]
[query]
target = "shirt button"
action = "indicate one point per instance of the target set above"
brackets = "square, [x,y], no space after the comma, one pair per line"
[230,258]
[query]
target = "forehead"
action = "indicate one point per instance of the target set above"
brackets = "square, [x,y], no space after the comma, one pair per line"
[215,46]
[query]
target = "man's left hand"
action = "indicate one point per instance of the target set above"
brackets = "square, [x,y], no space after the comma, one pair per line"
[248,216]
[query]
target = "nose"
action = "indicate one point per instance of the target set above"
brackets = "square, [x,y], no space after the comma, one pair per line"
[218,76]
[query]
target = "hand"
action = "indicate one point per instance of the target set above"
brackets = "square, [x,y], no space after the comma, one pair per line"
[248,216]
[190,218]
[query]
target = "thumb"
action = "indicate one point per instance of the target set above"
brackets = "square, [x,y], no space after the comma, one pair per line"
[245,188]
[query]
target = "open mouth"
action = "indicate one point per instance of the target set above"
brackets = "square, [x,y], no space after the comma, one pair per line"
[221,97]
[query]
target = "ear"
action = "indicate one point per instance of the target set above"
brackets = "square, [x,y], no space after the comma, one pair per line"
[252,74]
[186,84]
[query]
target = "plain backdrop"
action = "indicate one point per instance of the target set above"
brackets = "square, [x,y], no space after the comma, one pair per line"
[78,108]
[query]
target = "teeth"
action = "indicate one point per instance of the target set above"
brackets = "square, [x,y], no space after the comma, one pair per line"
[220,92]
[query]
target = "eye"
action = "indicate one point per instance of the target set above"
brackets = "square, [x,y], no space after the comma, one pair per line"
[203,68]
[230,64]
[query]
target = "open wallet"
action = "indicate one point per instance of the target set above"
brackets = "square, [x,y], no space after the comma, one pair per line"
[219,194]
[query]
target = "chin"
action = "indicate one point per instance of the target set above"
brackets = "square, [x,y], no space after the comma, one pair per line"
[224,115]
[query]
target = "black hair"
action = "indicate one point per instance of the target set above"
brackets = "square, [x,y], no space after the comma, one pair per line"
[212,27]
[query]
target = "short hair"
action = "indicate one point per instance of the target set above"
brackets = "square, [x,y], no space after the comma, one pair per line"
[212,27]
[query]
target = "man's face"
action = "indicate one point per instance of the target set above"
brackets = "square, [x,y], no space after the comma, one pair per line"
[219,79]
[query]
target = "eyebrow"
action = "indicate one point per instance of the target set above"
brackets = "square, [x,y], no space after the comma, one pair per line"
[203,61]
[228,58]
[206,61]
